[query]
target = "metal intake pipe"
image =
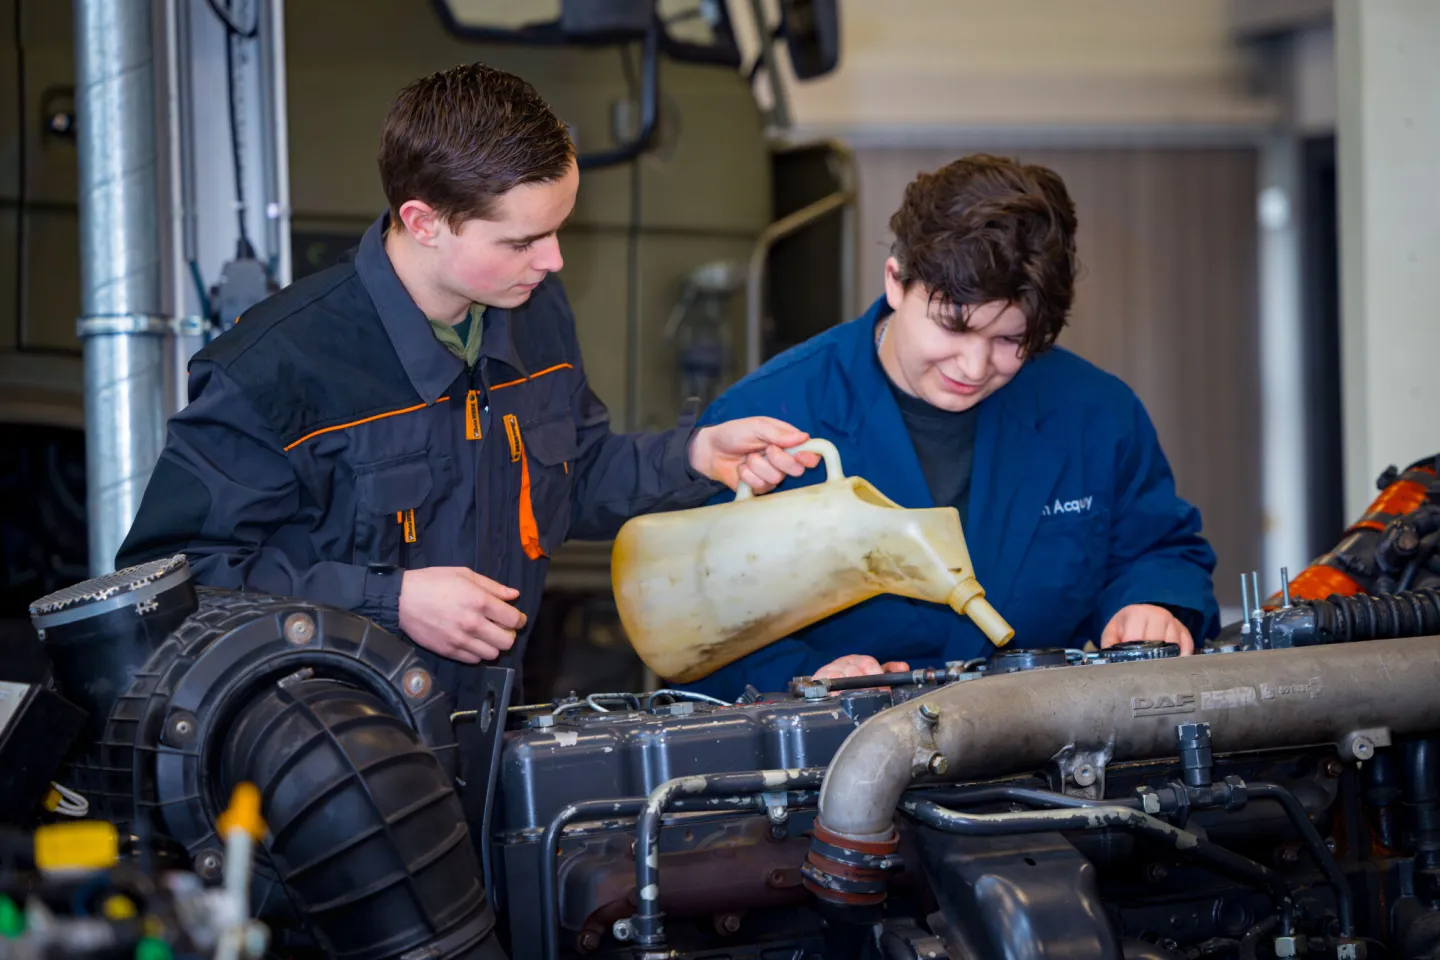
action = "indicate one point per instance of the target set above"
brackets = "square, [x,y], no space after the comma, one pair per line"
[1354,695]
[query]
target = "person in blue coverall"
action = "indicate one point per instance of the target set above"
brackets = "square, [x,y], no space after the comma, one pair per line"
[949,391]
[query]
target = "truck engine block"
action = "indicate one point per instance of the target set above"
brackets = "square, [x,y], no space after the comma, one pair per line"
[1318,848]
[1275,795]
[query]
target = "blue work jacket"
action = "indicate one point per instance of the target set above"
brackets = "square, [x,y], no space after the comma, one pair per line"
[1073,512]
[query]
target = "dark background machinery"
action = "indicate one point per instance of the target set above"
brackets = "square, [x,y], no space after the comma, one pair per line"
[1245,802]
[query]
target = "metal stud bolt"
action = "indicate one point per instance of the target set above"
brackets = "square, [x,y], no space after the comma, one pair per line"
[299,629]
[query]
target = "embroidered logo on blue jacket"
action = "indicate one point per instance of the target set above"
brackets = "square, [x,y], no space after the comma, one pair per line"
[1081,505]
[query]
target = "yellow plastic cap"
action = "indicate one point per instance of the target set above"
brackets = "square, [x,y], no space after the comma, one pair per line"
[244,813]
[82,845]
[118,908]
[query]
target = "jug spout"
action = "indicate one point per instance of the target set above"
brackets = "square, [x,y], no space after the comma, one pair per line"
[968,599]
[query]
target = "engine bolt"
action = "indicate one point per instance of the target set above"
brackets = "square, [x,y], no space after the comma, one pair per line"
[623,930]
[417,683]
[928,713]
[1334,768]
[1156,873]
[1084,775]
[181,729]
[589,940]
[299,629]
[938,764]
[728,923]
[1362,748]
[210,865]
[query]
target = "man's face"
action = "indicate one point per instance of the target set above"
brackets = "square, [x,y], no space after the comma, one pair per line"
[948,369]
[500,261]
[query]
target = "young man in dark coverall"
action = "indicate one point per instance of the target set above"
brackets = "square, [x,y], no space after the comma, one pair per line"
[411,434]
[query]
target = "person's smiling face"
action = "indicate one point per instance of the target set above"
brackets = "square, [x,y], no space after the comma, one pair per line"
[953,369]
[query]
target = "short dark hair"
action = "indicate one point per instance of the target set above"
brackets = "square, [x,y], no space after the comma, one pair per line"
[461,138]
[986,228]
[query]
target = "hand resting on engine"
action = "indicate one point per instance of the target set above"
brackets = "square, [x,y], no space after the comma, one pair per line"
[1145,621]
[858,665]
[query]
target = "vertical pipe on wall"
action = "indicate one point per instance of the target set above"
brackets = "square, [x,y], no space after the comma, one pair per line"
[1283,438]
[277,139]
[121,325]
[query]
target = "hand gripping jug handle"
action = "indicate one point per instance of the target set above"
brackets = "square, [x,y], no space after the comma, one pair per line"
[826,449]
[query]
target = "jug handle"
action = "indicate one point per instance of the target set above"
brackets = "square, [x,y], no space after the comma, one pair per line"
[827,451]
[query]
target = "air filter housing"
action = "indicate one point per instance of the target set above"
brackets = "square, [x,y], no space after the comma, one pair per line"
[100,633]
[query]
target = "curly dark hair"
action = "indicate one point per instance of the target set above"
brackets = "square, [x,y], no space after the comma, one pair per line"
[987,228]
[461,138]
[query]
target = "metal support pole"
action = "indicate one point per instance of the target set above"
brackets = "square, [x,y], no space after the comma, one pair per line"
[120,326]
[755,276]
[1283,448]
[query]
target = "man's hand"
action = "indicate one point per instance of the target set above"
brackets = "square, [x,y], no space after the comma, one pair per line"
[1144,621]
[455,612]
[858,665]
[752,450]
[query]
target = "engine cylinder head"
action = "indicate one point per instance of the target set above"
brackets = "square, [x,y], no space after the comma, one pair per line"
[1014,661]
[1133,650]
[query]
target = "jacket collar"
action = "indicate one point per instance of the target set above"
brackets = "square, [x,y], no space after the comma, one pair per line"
[498,342]
[430,367]
[858,384]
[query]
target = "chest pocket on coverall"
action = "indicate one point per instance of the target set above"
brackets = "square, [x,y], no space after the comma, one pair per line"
[386,493]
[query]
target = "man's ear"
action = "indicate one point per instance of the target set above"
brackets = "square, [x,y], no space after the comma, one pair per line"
[894,289]
[421,221]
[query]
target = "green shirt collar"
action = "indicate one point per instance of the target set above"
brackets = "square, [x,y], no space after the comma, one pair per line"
[467,349]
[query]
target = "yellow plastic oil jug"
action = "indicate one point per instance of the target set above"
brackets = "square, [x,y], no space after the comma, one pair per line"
[698,589]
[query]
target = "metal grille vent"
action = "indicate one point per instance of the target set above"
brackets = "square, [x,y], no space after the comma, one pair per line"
[110,585]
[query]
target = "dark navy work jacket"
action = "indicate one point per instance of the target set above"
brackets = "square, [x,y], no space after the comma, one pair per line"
[331,439]
[1073,512]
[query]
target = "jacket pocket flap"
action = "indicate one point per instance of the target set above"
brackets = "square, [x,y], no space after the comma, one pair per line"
[395,486]
[551,442]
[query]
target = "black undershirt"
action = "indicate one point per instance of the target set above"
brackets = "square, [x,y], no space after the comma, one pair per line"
[944,443]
